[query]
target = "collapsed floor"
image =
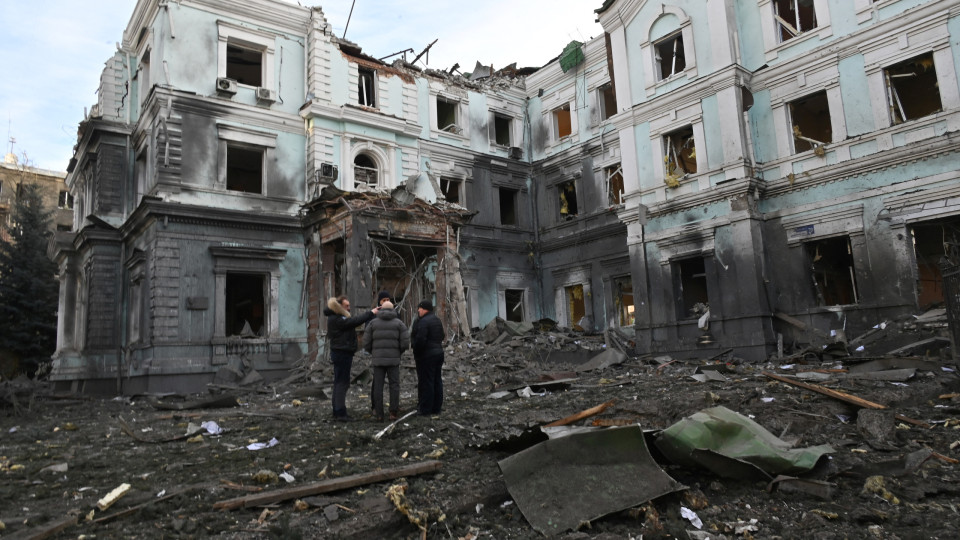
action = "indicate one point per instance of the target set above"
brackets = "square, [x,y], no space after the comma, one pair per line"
[891,421]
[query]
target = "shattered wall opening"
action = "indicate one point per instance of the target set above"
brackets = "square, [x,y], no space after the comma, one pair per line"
[614,179]
[447,115]
[607,98]
[912,89]
[244,168]
[832,271]
[576,309]
[245,65]
[514,304]
[623,300]
[508,206]
[562,125]
[690,282]
[567,192]
[405,271]
[333,259]
[244,306]
[365,173]
[680,153]
[450,188]
[794,17]
[501,129]
[933,243]
[670,56]
[810,118]
[367,87]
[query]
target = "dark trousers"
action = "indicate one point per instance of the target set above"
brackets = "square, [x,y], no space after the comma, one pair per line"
[429,384]
[342,362]
[393,374]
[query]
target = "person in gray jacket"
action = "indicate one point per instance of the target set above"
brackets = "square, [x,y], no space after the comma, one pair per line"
[386,338]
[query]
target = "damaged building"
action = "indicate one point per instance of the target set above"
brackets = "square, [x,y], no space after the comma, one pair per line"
[688,178]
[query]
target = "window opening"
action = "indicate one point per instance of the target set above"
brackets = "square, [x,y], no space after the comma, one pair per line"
[501,128]
[245,65]
[65,200]
[568,199]
[447,116]
[561,120]
[934,243]
[244,307]
[575,306]
[513,298]
[832,272]
[912,90]
[794,17]
[681,155]
[810,117]
[364,172]
[608,101]
[508,206]
[623,300]
[244,169]
[691,275]
[366,86]
[450,189]
[614,178]
[670,56]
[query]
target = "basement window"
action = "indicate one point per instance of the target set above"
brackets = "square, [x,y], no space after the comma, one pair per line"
[794,17]
[607,99]
[912,90]
[690,283]
[245,65]
[669,56]
[834,278]
[562,126]
[447,116]
[65,200]
[623,300]
[680,156]
[613,176]
[568,199]
[810,118]
[508,206]
[513,299]
[501,129]
[576,308]
[244,306]
[366,87]
[450,189]
[244,169]
[365,173]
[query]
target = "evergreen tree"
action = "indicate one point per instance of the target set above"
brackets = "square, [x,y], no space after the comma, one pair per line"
[28,284]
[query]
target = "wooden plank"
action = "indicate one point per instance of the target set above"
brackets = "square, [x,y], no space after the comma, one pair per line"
[593,411]
[327,486]
[47,531]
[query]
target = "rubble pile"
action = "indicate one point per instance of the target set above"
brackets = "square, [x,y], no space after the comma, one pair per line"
[545,431]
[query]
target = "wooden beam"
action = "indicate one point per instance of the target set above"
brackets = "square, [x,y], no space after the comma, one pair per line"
[581,415]
[335,484]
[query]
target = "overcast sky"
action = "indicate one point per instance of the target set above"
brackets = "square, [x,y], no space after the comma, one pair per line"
[53,51]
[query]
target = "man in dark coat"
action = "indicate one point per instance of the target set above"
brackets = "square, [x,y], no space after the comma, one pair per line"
[341,329]
[386,338]
[427,338]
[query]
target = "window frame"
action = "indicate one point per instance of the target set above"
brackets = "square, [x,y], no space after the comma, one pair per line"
[676,38]
[563,109]
[648,52]
[239,137]
[250,39]
[247,260]
[515,196]
[770,27]
[364,72]
[797,135]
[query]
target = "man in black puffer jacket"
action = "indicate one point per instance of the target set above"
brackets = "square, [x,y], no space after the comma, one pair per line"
[341,329]
[386,338]
[427,337]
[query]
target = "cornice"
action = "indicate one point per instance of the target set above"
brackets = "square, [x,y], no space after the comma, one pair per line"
[152,209]
[361,116]
[584,236]
[694,92]
[212,107]
[722,192]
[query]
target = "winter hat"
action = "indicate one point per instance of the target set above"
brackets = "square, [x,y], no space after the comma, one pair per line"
[382,295]
[425,305]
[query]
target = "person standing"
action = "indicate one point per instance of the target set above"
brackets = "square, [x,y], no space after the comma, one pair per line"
[386,338]
[341,329]
[427,337]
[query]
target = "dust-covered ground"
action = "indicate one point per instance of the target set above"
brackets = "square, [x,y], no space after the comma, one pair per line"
[887,478]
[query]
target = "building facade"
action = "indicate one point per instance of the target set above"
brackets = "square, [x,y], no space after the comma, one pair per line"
[688,178]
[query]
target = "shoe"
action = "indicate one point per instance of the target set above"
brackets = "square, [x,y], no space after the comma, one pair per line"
[344,418]
[394,416]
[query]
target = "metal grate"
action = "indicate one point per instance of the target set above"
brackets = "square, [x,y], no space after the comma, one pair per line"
[951,296]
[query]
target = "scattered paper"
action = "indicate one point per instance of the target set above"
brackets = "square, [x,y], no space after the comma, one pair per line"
[212,427]
[691,516]
[261,445]
[288,477]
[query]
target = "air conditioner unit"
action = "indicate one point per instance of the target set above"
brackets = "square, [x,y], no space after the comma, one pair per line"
[266,94]
[226,86]
[516,152]
[328,173]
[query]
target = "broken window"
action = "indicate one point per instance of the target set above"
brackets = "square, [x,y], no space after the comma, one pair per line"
[501,129]
[244,169]
[934,243]
[613,175]
[670,58]
[576,308]
[623,300]
[513,298]
[244,305]
[567,192]
[366,87]
[65,200]
[508,206]
[810,118]
[794,17]
[680,155]
[447,116]
[245,65]
[562,125]
[831,265]
[364,172]
[607,100]
[450,189]
[912,90]
[690,277]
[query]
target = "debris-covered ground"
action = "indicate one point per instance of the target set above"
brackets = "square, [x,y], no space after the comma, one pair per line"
[196,465]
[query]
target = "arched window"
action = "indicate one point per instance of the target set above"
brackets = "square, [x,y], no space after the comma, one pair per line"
[365,173]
